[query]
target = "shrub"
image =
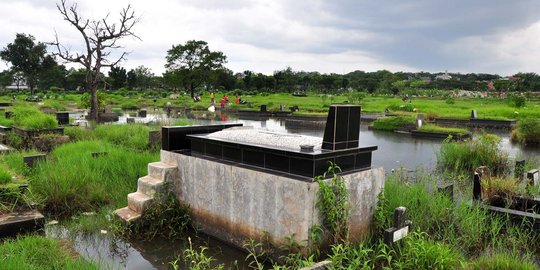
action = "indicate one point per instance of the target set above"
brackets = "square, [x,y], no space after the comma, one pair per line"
[527,132]
[518,100]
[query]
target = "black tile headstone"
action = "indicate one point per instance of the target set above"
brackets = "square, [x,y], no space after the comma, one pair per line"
[62,118]
[342,129]
[8,114]
[130,120]
[477,187]
[263,108]
[142,113]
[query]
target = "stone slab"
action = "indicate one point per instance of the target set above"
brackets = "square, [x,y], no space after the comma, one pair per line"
[21,222]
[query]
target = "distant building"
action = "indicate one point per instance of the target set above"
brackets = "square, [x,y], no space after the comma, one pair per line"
[426,80]
[444,76]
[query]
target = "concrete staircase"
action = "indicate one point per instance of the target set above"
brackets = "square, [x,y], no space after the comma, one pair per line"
[159,173]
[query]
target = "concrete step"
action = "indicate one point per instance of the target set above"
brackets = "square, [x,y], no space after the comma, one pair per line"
[127,214]
[149,185]
[139,202]
[163,171]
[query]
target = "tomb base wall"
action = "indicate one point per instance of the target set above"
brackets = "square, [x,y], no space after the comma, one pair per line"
[235,203]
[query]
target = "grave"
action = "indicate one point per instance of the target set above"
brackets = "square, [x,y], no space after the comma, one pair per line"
[130,120]
[474,114]
[243,183]
[30,161]
[142,113]
[62,118]
[400,227]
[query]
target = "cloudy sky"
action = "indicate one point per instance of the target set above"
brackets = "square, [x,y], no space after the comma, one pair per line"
[482,36]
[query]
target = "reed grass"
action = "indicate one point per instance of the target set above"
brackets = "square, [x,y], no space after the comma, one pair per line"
[392,123]
[438,129]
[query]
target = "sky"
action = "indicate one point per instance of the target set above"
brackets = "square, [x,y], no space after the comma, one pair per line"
[328,36]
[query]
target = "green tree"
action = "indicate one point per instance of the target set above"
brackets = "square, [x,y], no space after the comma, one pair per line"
[52,74]
[503,86]
[194,62]
[27,57]
[100,38]
[118,76]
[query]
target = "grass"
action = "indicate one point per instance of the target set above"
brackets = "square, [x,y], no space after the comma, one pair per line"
[392,123]
[74,181]
[438,129]
[5,176]
[132,136]
[527,132]
[38,252]
[468,155]
[28,117]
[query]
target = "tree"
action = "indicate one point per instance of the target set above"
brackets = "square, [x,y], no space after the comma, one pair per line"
[118,76]
[100,38]
[26,57]
[52,74]
[194,62]
[143,76]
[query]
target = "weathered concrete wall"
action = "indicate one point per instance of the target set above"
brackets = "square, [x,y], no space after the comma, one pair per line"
[235,204]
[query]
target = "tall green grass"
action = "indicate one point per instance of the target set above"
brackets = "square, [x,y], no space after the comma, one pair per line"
[38,252]
[392,123]
[527,132]
[28,117]
[438,129]
[133,136]
[74,181]
[468,155]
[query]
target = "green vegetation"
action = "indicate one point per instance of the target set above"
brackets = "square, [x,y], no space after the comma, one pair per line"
[466,156]
[28,117]
[74,181]
[133,136]
[527,132]
[5,176]
[392,123]
[438,129]
[38,252]
[333,204]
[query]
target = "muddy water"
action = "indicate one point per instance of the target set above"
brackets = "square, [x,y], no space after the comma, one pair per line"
[394,150]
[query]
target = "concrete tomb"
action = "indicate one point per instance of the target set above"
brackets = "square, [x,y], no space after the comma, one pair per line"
[243,183]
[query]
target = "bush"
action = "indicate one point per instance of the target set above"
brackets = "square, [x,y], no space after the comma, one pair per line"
[527,132]
[518,100]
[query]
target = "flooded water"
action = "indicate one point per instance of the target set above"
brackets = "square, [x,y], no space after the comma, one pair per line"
[394,151]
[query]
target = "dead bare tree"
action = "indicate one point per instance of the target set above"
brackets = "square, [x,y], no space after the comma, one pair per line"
[100,39]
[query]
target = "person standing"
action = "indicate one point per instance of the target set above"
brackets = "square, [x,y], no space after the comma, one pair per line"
[236,99]
[212,97]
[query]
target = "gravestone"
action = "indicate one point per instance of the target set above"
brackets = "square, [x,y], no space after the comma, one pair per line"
[474,114]
[263,108]
[30,161]
[130,120]
[477,187]
[8,114]
[62,118]
[533,177]
[282,107]
[142,113]
[294,108]
[400,227]
[519,169]
[342,129]
[419,120]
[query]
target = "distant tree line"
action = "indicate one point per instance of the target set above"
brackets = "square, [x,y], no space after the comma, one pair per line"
[192,67]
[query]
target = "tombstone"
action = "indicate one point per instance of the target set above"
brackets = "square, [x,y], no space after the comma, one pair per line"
[419,120]
[474,114]
[263,108]
[8,114]
[342,129]
[130,120]
[142,113]
[294,108]
[477,187]
[282,107]
[62,118]
[99,154]
[533,177]
[519,169]
[30,161]
[400,227]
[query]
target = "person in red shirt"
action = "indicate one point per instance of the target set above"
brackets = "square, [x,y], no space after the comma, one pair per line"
[236,99]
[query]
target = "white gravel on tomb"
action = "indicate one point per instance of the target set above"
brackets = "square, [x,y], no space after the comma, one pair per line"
[265,137]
